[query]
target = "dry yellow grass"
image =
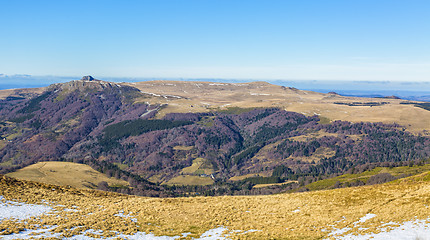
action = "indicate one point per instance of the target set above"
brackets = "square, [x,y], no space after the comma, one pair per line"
[66,174]
[196,174]
[18,92]
[320,134]
[190,180]
[206,96]
[156,178]
[320,153]
[309,215]
[2,143]
[242,177]
[183,148]
[272,184]
[199,166]
[316,156]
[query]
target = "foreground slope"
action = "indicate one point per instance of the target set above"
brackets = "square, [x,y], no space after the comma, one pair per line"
[310,215]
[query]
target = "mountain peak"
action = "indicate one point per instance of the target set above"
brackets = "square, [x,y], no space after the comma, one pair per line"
[87,78]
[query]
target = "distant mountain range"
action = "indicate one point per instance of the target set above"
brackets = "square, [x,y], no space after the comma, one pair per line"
[405,90]
[407,95]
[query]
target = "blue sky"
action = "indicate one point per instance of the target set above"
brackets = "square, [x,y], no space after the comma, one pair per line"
[292,40]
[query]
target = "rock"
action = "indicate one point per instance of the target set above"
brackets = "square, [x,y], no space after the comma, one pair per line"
[87,78]
[392,97]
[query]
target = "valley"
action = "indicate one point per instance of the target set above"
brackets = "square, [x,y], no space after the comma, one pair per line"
[170,138]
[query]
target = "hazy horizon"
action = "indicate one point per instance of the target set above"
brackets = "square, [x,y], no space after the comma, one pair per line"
[406,90]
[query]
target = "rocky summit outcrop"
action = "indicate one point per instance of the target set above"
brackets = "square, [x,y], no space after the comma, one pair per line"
[87,78]
[88,82]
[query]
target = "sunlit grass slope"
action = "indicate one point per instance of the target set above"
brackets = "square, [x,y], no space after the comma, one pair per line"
[66,174]
[308,215]
[351,179]
[235,97]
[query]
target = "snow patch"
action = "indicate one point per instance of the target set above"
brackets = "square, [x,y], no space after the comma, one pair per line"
[172,96]
[153,94]
[220,233]
[214,234]
[339,232]
[129,215]
[365,218]
[411,230]
[163,96]
[20,211]
[297,210]
[148,112]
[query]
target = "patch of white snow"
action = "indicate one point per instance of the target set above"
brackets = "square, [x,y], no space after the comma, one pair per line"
[365,218]
[20,211]
[412,230]
[214,234]
[297,210]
